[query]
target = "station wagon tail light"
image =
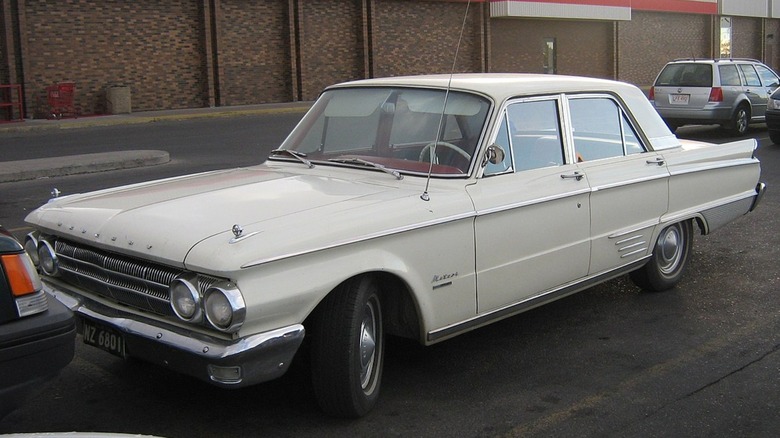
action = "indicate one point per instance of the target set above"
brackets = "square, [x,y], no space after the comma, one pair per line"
[651,94]
[22,277]
[716,94]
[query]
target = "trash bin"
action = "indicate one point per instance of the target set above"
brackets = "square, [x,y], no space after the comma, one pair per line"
[118,100]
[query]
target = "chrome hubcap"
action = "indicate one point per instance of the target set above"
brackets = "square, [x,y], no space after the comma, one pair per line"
[367,345]
[670,248]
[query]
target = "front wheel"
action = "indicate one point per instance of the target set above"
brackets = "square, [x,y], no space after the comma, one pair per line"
[347,351]
[670,257]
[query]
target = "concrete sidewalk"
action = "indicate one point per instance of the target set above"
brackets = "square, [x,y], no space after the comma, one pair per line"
[75,164]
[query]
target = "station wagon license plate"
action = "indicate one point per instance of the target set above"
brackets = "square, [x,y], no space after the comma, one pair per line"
[679,99]
[103,338]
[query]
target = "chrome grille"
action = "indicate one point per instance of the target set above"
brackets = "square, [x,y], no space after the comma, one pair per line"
[132,282]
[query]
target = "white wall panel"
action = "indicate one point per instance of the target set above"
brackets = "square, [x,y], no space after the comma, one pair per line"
[748,8]
[558,10]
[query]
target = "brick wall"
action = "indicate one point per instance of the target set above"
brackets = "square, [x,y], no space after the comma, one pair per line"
[331,49]
[746,37]
[193,53]
[153,47]
[416,37]
[254,52]
[583,47]
[651,39]
[5,23]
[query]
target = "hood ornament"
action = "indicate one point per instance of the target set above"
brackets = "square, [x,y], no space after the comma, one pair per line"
[239,235]
[55,192]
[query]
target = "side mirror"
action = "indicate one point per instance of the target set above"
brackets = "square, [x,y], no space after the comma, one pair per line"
[495,154]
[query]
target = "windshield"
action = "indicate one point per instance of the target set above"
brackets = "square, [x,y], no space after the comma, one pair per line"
[398,128]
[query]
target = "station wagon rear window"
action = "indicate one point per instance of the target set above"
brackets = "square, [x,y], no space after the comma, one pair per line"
[686,75]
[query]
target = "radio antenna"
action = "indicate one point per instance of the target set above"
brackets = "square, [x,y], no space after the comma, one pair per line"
[425,196]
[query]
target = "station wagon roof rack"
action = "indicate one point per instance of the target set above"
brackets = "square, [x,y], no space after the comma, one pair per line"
[717,59]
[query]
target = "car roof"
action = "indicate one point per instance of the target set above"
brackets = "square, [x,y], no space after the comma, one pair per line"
[499,86]
[503,86]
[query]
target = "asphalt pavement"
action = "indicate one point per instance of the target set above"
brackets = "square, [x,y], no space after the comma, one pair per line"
[21,170]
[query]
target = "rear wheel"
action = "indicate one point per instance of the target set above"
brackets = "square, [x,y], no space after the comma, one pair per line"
[670,257]
[347,351]
[740,120]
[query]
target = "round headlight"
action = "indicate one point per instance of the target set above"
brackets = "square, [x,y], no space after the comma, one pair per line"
[31,248]
[47,258]
[225,308]
[185,298]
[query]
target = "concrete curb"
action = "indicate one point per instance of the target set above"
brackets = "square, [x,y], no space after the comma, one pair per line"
[152,117]
[78,164]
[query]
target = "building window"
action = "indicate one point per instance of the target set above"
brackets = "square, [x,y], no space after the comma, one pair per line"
[550,64]
[725,37]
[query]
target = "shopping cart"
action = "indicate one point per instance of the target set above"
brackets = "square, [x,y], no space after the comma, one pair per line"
[60,99]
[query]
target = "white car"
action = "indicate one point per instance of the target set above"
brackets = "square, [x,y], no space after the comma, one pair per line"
[421,207]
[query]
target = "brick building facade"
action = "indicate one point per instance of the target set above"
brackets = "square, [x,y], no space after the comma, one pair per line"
[199,53]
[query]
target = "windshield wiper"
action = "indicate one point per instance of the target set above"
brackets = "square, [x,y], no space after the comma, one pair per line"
[363,162]
[297,155]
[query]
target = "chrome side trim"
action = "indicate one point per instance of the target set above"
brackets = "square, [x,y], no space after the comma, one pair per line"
[533,202]
[527,304]
[631,182]
[363,238]
[674,171]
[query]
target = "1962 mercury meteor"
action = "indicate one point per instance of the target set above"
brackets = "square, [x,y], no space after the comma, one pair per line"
[420,207]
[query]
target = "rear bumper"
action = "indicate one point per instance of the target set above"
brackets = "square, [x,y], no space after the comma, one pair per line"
[696,115]
[760,189]
[226,363]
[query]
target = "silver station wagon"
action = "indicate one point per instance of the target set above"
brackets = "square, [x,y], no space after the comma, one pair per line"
[729,92]
[420,207]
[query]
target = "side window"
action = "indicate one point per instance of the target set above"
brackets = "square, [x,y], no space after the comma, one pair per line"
[601,130]
[535,134]
[768,77]
[729,75]
[751,77]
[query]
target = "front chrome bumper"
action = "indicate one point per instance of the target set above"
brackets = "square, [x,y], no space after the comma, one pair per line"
[230,364]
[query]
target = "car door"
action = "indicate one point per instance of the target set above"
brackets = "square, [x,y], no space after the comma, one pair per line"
[628,183]
[533,222]
[769,82]
[755,91]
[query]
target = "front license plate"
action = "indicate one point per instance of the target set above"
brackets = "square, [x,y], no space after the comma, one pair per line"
[679,99]
[103,338]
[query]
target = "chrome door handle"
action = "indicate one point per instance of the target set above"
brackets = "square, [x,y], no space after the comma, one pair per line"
[659,161]
[576,175]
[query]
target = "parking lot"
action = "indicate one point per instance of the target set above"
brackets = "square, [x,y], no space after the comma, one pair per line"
[699,360]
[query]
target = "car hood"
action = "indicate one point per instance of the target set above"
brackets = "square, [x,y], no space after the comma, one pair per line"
[188,221]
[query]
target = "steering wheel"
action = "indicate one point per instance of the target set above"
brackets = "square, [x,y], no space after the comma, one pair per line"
[457,149]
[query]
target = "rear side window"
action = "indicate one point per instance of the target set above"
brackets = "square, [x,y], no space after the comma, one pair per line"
[751,77]
[729,75]
[686,75]
[601,130]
